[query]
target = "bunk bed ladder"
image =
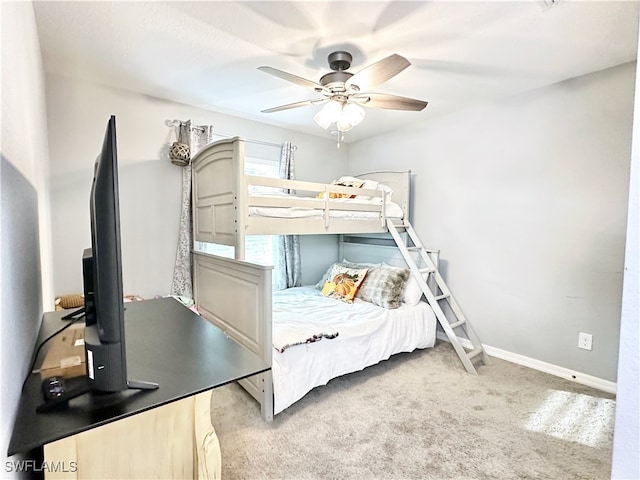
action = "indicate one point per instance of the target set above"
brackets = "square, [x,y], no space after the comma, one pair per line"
[437,293]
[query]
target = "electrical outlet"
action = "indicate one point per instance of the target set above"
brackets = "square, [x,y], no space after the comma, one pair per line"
[585,340]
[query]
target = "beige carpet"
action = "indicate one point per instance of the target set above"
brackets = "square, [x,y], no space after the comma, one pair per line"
[421,416]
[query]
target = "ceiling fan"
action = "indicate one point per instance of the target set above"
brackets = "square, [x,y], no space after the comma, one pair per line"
[344,93]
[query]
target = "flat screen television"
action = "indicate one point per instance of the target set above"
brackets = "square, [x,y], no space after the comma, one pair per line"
[104,335]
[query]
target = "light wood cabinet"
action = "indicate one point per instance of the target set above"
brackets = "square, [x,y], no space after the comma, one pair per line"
[175,440]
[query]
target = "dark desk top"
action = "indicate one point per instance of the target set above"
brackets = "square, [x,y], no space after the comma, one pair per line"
[167,344]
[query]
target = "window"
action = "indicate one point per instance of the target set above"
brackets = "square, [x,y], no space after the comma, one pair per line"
[261,249]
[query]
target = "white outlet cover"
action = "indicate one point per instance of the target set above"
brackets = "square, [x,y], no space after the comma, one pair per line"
[585,341]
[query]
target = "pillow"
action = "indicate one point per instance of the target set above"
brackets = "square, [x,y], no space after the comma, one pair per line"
[344,283]
[384,286]
[325,277]
[366,184]
[387,191]
[412,291]
[355,183]
[351,264]
[343,182]
[346,263]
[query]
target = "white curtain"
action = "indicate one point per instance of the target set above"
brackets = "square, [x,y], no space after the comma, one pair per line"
[196,136]
[288,270]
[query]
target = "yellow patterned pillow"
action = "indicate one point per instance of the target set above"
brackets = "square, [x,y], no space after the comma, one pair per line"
[344,282]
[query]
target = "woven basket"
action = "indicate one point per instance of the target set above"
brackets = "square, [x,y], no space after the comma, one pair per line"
[69,301]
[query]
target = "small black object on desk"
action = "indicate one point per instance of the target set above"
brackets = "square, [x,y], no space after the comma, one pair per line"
[57,391]
[167,343]
[53,388]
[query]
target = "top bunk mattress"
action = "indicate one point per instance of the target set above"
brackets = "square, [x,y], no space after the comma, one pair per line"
[350,208]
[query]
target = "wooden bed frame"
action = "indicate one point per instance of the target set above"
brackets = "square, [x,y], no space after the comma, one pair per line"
[234,294]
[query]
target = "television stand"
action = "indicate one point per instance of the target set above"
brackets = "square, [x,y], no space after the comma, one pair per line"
[79,386]
[161,433]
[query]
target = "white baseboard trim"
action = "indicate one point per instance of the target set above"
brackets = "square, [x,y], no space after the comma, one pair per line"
[578,377]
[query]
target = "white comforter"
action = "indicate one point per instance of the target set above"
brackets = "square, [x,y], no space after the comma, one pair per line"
[367,334]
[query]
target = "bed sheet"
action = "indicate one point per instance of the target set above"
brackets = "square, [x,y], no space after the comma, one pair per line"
[367,334]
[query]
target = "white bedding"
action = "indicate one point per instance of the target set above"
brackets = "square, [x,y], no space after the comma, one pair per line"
[367,334]
[392,210]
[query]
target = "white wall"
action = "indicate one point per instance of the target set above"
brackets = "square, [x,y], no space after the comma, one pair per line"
[26,282]
[626,442]
[150,186]
[527,198]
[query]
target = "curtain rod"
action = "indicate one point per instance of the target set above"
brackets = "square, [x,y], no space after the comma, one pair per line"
[175,123]
[251,140]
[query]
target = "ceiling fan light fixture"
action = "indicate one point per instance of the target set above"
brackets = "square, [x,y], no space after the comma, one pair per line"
[329,114]
[353,113]
[343,125]
[344,115]
[321,120]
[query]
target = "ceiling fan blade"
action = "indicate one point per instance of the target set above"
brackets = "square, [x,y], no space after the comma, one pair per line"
[303,82]
[289,106]
[378,72]
[390,102]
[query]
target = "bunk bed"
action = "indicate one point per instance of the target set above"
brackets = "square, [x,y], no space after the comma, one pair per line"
[227,207]
[236,295]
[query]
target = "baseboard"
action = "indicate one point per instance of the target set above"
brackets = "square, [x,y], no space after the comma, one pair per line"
[578,377]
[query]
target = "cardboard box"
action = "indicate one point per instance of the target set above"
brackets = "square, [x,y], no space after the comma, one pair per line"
[65,356]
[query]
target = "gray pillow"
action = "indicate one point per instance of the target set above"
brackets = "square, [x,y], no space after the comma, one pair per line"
[384,286]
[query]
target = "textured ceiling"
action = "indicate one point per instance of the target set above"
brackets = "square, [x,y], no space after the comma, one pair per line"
[207,53]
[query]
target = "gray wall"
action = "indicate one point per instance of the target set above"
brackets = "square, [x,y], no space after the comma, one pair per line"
[526,197]
[24,219]
[150,185]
